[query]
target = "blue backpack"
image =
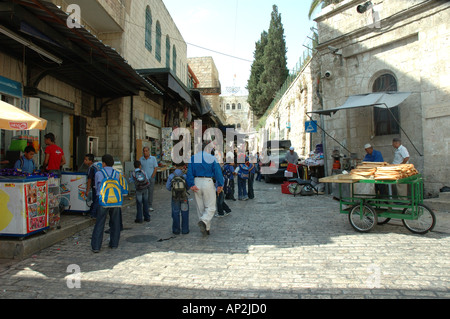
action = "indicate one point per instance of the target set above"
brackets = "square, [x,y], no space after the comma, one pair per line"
[243,171]
[110,194]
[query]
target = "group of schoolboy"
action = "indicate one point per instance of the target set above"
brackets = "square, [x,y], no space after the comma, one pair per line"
[108,190]
[108,187]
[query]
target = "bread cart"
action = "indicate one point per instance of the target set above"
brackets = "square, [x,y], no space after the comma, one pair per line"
[365,211]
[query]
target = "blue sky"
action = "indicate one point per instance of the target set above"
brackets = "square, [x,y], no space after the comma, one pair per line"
[232,27]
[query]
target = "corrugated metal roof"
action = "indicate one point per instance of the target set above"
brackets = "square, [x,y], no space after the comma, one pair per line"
[88,63]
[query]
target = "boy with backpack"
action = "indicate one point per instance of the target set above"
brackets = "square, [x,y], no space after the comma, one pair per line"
[243,175]
[222,208]
[141,183]
[25,163]
[92,170]
[180,205]
[228,175]
[110,199]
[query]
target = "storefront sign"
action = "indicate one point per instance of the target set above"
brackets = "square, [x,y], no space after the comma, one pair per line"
[152,131]
[18,126]
[10,87]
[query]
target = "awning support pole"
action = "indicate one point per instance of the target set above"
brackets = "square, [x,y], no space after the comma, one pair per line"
[401,128]
[330,135]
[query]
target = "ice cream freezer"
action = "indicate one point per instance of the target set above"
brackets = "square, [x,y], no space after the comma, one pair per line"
[23,206]
[73,192]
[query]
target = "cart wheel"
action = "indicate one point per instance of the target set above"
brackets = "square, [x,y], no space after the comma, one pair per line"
[383,220]
[365,221]
[425,222]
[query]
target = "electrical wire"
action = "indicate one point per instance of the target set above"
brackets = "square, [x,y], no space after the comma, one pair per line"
[188,43]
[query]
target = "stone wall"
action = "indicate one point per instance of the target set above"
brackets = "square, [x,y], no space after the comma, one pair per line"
[412,44]
[209,85]
[288,116]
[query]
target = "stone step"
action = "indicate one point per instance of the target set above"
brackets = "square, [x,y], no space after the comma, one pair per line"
[444,196]
[438,204]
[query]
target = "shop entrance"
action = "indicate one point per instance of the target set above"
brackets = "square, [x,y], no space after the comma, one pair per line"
[59,124]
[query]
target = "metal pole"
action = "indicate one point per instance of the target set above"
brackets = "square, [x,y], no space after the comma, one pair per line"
[325,158]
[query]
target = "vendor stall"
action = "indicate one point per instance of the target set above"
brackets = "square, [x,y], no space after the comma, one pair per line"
[23,205]
[54,214]
[367,210]
[23,198]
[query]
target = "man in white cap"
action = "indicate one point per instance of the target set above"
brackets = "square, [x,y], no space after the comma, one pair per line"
[372,155]
[291,156]
[375,156]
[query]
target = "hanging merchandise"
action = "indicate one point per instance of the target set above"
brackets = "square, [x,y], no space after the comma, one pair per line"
[167,144]
[189,117]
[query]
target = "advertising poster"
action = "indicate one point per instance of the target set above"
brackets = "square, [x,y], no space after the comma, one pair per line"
[23,207]
[36,195]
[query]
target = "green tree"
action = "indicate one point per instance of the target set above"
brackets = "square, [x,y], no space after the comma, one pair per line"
[274,61]
[256,71]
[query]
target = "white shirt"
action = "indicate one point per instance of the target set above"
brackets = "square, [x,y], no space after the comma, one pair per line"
[399,154]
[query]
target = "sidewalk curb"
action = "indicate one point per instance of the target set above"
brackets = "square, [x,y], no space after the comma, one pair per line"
[21,248]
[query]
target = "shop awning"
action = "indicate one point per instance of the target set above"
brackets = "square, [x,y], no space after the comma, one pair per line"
[167,82]
[71,55]
[14,119]
[202,104]
[379,99]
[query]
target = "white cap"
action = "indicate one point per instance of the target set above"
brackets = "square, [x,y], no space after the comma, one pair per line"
[367,146]
[292,148]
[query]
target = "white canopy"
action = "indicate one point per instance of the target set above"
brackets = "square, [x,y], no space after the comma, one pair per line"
[14,119]
[379,99]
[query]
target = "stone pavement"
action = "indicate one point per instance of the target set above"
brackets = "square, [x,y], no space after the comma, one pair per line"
[274,246]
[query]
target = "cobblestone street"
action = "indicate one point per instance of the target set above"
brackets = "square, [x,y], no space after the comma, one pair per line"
[274,246]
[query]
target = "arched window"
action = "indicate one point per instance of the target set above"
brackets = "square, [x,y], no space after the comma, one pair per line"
[228,106]
[174,59]
[233,106]
[158,41]
[239,106]
[385,123]
[167,51]
[148,29]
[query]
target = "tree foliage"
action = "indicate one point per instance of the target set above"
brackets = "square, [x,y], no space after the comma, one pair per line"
[256,70]
[269,69]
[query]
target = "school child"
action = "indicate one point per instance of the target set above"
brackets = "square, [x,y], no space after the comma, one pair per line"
[110,199]
[25,163]
[222,207]
[251,179]
[228,175]
[92,170]
[243,175]
[176,183]
[142,184]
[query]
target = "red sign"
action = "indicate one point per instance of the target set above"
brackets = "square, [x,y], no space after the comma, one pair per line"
[18,125]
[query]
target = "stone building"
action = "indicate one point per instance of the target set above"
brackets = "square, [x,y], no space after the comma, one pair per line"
[237,112]
[286,120]
[391,46]
[107,75]
[209,85]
